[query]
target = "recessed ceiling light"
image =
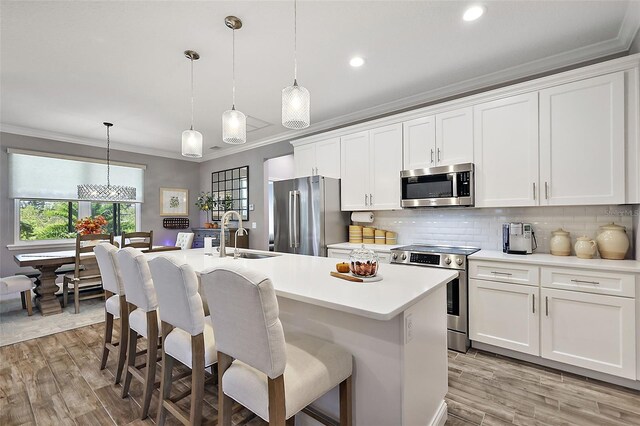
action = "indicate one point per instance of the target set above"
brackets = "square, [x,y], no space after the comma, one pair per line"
[472,13]
[356,61]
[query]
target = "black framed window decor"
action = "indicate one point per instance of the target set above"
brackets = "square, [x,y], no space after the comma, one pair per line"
[230,189]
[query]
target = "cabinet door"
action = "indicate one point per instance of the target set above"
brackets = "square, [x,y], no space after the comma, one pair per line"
[582,156]
[454,137]
[504,315]
[589,330]
[506,151]
[328,158]
[386,165]
[419,143]
[354,186]
[304,158]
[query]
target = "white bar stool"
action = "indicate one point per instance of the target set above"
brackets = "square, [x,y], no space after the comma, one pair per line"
[115,306]
[18,284]
[184,240]
[143,321]
[187,335]
[271,377]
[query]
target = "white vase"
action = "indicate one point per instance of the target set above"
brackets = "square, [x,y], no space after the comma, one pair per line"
[560,243]
[585,248]
[613,241]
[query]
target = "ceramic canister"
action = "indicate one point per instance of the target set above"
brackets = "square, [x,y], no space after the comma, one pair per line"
[585,248]
[560,243]
[613,241]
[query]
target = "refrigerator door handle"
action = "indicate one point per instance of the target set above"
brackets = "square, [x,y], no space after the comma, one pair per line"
[291,216]
[294,219]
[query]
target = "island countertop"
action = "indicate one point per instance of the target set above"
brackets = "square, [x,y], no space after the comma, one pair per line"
[307,279]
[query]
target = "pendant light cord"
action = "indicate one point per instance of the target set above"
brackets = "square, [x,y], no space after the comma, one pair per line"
[295,41]
[192,92]
[108,158]
[233,68]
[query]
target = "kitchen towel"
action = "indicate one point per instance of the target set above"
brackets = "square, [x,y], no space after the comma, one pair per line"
[362,217]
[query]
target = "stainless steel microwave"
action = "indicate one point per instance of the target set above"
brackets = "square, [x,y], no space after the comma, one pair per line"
[438,186]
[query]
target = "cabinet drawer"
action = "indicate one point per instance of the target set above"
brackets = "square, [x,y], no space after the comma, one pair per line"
[610,283]
[514,273]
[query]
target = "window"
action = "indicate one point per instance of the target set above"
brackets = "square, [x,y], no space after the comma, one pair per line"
[51,220]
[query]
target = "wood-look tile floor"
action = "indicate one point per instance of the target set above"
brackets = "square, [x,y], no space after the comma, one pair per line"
[56,380]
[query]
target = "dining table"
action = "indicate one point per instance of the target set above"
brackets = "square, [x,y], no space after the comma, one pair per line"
[47,263]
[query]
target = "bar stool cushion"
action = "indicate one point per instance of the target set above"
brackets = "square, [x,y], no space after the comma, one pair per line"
[112,305]
[138,321]
[184,240]
[178,345]
[314,367]
[15,284]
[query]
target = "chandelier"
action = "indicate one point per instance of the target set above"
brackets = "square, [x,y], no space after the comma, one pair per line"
[108,192]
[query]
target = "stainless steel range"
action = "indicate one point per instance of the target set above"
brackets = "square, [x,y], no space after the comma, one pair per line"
[457,290]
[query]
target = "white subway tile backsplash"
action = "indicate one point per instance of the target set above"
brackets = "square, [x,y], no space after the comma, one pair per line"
[483,227]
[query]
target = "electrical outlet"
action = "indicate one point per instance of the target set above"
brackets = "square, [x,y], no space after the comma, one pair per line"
[253,225]
[409,328]
[251,207]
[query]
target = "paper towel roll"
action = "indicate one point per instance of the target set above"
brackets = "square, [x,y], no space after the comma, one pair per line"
[362,217]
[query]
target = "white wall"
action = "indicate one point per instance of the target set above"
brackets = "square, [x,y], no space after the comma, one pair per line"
[483,227]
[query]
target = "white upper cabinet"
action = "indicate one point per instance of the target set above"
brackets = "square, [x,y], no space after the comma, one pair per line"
[454,137]
[438,140]
[582,138]
[319,158]
[419,144]
[371,165]
[506,151]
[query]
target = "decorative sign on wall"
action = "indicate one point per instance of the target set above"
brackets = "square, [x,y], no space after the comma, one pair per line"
[230,190]
[174,202]
[175,222]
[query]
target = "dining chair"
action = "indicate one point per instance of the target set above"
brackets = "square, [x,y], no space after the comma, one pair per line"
[115,306]
[141,240]
[18,284]
[187,336]
[86,272]
[184,240]
[143,321]
[257,367]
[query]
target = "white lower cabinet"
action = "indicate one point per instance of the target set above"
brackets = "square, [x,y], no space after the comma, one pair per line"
[593,331]
[505,315]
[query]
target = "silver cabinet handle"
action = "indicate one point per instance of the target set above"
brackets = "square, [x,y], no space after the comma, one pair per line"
[546,304]
[534,191]
[431,155]
[546,190]
[501,273]
[312,171]
[585,282]
[366,200]
[316,170]
[533,303]
[370,199]
[438,155]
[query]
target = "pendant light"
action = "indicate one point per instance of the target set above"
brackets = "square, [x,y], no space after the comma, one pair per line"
[295,99]
[234,123]
[191,139]
[108,192]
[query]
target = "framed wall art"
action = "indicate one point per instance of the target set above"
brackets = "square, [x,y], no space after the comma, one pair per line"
[174,202]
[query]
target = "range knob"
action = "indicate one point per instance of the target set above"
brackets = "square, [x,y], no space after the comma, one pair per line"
[395,256]
[459,261]
[404,256]
[447,261]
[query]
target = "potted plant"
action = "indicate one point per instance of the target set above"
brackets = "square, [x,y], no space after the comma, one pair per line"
[206,203]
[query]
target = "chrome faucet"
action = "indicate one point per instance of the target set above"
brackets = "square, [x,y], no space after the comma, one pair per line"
[241,231]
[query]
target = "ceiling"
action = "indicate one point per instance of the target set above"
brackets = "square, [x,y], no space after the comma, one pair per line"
[67,66]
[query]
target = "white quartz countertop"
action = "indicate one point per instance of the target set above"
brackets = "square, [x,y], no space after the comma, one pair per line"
[559,261]
[307,279]
[374,247]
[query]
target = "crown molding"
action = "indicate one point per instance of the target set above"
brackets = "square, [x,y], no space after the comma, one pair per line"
[45,134]
[630,24]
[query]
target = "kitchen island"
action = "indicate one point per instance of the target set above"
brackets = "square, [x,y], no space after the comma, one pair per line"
[396,330]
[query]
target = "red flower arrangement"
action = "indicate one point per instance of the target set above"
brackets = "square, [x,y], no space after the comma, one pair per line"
[88,225]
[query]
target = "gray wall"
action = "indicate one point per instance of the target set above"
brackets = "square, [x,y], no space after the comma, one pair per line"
[254,158]
[161,172]
[635,45]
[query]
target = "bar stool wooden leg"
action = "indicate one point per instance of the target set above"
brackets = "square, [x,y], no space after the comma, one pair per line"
[108,334]
[27,300]
[197,379]
[124,336]
[277,408]
[152,359]
[346,402]
[225,403]
[165,385]
[131,362]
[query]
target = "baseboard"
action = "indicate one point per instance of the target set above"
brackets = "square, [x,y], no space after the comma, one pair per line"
[628,383]
[441,415]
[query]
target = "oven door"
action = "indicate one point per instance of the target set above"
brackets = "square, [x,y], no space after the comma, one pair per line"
[457,303]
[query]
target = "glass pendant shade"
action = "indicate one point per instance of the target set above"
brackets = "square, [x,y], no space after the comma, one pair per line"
[295,107]
[234,127]
[192,143]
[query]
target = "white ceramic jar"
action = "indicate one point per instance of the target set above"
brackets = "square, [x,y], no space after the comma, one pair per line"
[560,243]
[585,248]
[613,241]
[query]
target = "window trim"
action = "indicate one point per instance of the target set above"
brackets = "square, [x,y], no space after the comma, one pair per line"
[84,209]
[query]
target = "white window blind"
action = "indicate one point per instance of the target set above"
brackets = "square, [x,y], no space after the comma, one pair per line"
[37,175]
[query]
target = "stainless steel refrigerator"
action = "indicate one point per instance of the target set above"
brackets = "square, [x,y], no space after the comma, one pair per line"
[307,216]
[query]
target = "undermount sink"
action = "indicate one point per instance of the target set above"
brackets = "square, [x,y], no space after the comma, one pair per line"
[248,255]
